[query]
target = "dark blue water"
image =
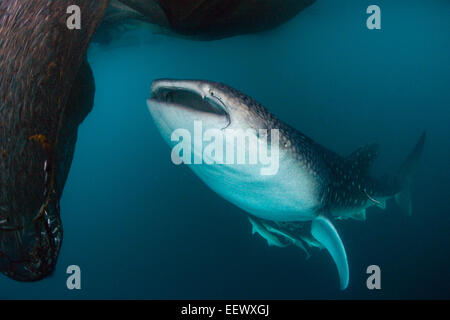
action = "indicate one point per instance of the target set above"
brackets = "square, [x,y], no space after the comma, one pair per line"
[140,227]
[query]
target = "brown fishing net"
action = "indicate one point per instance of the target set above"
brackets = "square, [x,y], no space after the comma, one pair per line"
[42,73]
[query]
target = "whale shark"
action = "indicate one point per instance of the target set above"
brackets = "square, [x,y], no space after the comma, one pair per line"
[313,187]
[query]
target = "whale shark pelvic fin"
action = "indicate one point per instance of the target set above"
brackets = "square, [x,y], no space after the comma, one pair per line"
[325,233]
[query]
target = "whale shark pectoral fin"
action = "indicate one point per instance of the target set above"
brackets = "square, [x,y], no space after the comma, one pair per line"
[325,233]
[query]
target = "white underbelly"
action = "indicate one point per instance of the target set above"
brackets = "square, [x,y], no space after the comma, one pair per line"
[289,195]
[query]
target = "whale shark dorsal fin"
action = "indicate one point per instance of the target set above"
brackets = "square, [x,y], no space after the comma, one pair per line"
[325,233]
[362,158]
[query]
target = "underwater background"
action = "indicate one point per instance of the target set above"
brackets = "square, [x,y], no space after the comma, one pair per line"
[140,227]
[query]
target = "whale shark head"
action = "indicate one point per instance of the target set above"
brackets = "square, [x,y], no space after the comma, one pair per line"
[177,104]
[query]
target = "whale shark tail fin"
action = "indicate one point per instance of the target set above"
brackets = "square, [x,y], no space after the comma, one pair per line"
[405,176]
[325,233]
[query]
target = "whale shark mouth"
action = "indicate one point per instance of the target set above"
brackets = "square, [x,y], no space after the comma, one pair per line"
[187,95]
